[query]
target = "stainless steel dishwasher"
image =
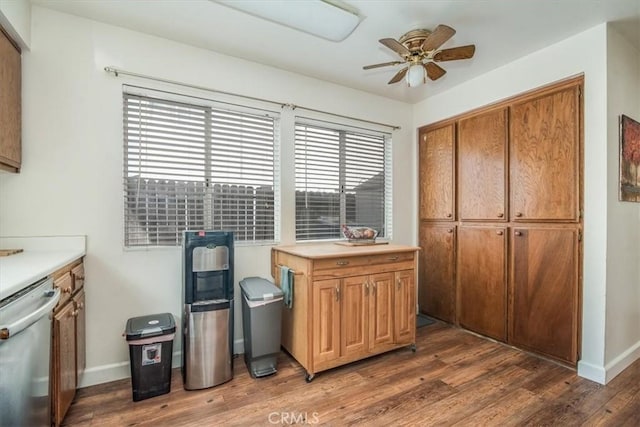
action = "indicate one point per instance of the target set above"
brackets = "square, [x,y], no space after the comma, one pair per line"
[25,344]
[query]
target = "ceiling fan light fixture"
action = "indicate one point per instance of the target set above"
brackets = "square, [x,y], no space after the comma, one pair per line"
[329,19]
[416,75]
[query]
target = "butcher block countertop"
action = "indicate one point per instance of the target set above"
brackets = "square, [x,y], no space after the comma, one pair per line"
[40,257]
[332,250]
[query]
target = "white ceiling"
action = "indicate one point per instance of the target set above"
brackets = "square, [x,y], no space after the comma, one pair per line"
[502,30]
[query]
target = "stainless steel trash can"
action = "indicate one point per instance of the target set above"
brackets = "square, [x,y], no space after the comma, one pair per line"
[261,318]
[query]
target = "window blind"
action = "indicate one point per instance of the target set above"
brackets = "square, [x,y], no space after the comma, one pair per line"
[190,166]
[342,177]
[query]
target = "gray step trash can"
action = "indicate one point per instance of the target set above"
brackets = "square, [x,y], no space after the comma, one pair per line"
[261,320]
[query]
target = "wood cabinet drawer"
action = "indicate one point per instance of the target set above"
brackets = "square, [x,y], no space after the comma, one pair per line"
[360,261]
[77,273]
[65,283]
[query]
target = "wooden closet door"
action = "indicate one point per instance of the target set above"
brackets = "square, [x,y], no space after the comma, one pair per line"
[482,280]
[544,291]
[545,157]
[436,291]
[482,157]
[436,175]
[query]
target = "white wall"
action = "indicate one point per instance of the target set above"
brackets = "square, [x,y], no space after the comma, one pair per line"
[71,178]
[622,343]
[582,53]
[15,18]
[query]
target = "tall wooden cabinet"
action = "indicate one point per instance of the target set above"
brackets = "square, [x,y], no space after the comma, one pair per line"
[510,266]
[437,291]
[68,341]
[340,315]
[10,104]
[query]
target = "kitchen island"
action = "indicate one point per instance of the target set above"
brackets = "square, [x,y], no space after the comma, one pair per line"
[348,302]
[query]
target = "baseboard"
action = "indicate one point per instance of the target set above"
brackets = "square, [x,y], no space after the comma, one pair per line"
[604,374]
[592,372]
[117,371]
[622,362]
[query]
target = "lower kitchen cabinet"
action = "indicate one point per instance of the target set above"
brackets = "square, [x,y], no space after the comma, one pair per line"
[482,280]
[342,314]
[68,340]
[437,288]
[544,291]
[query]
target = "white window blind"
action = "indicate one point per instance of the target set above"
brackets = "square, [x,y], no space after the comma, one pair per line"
[190,166]
[342,177]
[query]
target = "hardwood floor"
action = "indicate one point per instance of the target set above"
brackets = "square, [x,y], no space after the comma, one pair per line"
[455,378]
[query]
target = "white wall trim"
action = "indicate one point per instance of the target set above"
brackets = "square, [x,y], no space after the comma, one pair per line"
[121,370]
[623,361]
[592,372]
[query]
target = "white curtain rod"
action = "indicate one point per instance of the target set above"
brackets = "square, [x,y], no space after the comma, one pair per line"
[117,72]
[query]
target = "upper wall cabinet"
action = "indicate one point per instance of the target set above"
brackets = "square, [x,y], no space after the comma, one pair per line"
[482,155]
[437,168]
[545,157]
[10,105]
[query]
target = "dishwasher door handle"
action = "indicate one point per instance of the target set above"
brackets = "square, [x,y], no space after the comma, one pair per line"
[8,331]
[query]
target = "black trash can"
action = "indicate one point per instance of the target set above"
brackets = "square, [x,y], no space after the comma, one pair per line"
[150,341]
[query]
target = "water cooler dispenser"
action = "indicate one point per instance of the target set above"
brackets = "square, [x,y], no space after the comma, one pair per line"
[207,354]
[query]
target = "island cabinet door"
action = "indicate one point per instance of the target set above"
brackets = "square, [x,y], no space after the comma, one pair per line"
[380,310]
[405,307]
[326,320]
[355,309]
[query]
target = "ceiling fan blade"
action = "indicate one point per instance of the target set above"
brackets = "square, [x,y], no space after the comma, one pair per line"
[462,52]
[434,71]
[384,64]
[436,39]
[399,75]
[396,46]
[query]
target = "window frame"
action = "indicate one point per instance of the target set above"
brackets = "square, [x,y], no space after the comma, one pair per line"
[129,242]
[343,128]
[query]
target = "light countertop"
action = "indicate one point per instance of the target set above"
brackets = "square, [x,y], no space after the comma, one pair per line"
[41,256]
[330,250]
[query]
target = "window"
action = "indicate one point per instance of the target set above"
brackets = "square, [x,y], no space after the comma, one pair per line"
[343,176]
[192,166]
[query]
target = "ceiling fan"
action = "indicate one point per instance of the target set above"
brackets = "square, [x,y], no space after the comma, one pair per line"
[420,50]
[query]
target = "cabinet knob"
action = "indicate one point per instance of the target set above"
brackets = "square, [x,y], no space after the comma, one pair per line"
[519,214]
[74,313]
[449,215]
[500,215]
[337,293]
[499,232]
[342,262]
[518,233]
[450,230]
[67,290]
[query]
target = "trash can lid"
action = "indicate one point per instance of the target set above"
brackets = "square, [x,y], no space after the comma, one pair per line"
[150,326]
[259,289]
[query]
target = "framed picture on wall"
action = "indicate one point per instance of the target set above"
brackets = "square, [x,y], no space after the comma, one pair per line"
[629,159]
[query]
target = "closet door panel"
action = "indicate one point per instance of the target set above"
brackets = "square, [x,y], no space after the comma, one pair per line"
[545,157]
[482,168]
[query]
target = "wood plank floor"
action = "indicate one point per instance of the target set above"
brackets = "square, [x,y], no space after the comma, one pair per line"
[455,378]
